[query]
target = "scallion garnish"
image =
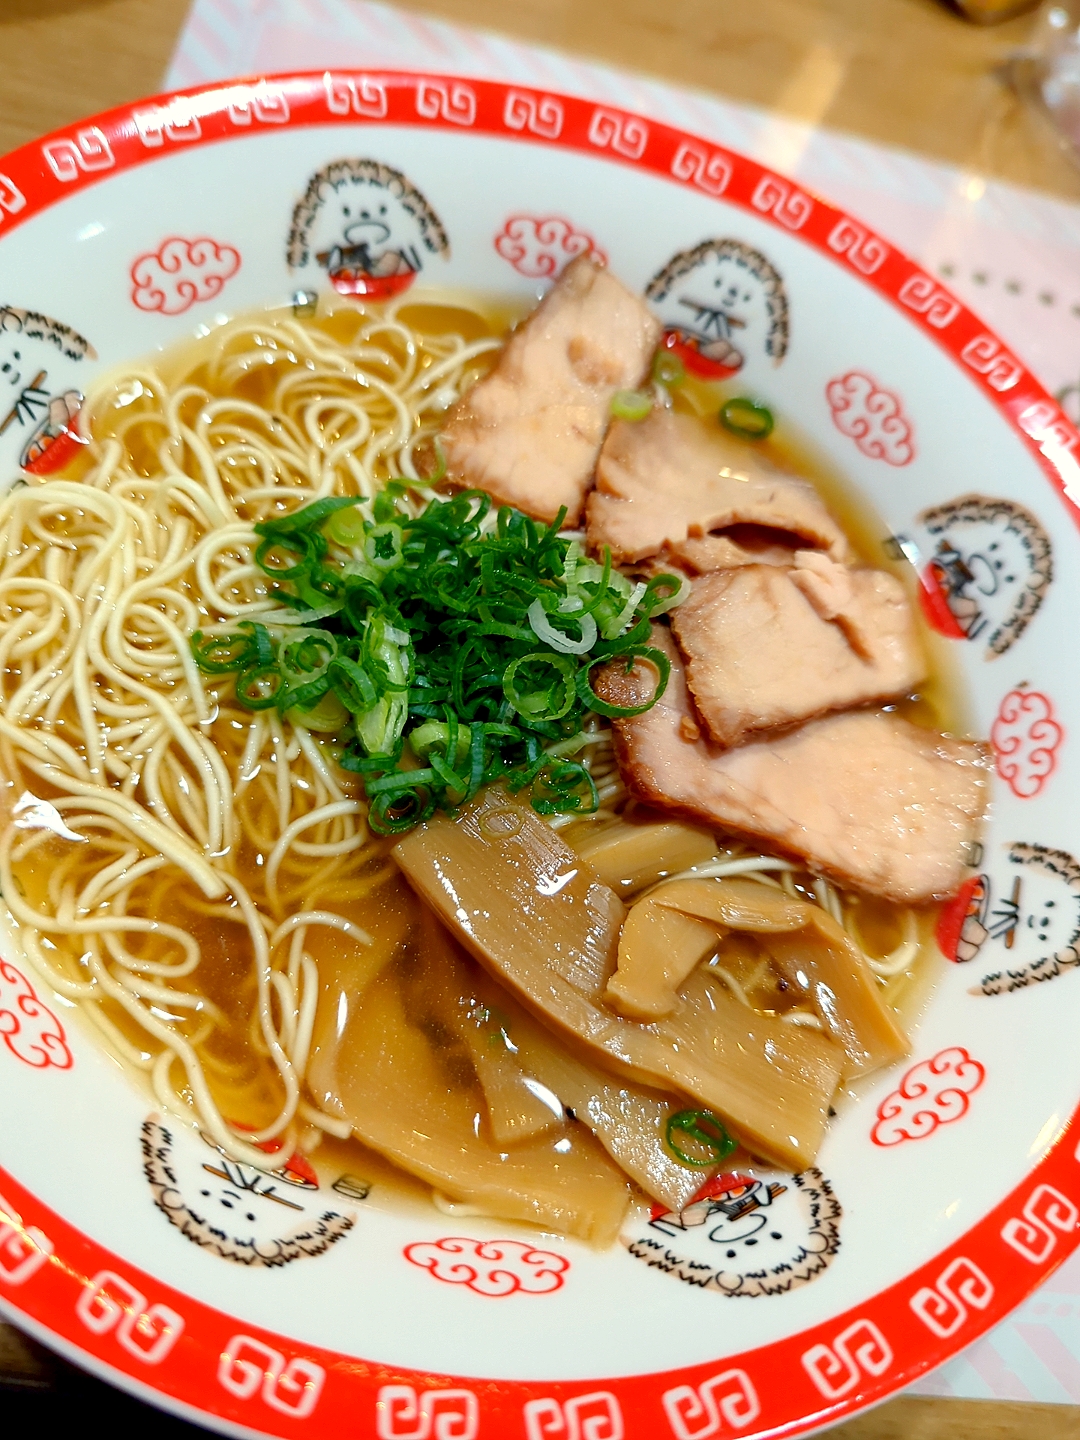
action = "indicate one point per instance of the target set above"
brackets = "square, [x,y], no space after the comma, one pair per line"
[668,369]
[747,418]
[698,1138]
[462,645]
[631,404]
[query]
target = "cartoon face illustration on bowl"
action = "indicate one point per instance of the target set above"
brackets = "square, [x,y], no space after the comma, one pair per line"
[1024,919]
[240,1212]
[721,304]
[367,226]
[39,403]
[743,1233]
[990,566]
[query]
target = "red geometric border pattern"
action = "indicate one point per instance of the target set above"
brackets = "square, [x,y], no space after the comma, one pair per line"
[128,1320]
[139,1327]
[69,160]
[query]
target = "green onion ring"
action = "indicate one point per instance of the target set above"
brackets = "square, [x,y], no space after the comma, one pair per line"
[706,1130]
[631,404]
[308,517]
[668,369]
[346,527]
[301,544]
[221,655]
[523,701]
[592,701]
[260,687]
[747,418]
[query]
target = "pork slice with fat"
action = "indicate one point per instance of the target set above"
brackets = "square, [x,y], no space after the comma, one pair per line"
[865,797]
[767,647]
[670,485]
[530,431]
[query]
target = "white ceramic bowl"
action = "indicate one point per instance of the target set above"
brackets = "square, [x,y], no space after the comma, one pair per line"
[951,1187]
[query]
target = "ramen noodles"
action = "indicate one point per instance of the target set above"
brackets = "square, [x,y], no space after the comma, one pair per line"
[207,872]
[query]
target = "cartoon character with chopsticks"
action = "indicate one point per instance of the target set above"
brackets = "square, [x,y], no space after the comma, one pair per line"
[39,407]
[722,305]
[743,1234]
[367,226]
[240,1212]
[989,568]
[1029,920]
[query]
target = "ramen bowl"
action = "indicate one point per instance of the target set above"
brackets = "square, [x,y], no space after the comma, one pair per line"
[949,1185]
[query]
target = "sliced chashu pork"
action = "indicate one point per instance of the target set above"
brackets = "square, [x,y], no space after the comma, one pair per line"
[866,798]
[767,647]
[530,431]
[669,486]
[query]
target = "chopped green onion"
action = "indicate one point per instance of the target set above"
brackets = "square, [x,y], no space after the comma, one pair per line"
[220,655]
[558,640]
[668,590]
[386,502]
[302,617]
[275,554]
[668,369]
[426,738]
[592,701]
[383,546]
[625,615]
[260,687]
[262,644]
[328,715]
[395,813]
[307,656]
[470,642]
[560,788]
[747,418]
[439,473]
[308,518]
[705,1131]
[347,527]
[353,685]
[550,701]
[631,404]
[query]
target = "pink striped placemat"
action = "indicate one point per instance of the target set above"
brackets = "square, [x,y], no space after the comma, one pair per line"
[1012,255]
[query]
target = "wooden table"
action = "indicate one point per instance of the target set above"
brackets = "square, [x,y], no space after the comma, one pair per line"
[903,72]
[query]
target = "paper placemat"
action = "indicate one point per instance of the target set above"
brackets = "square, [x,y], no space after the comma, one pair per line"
[1012,255]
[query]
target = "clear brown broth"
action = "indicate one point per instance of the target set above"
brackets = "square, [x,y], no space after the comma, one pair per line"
[245,1085]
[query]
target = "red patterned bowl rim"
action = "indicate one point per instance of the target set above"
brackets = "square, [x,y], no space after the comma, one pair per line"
[815,1378]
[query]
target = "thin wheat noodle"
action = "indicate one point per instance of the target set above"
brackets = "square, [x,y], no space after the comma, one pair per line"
[104,714]
[204,830]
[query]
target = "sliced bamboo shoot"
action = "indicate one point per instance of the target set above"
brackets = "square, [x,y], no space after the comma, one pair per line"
[531,911]
[629,855]
[827,966]
[628,1120]
[347,968]
[736,903]
[398,1098]
[658,948]
[670,931]
[808,946]
[519,1107]
[530,1077]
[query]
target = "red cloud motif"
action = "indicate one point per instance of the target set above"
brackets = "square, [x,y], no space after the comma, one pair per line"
[932,1093]
[30,1030]
[1025,737]
[540,248]
[872,417]
[491,1267]
[182,273]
